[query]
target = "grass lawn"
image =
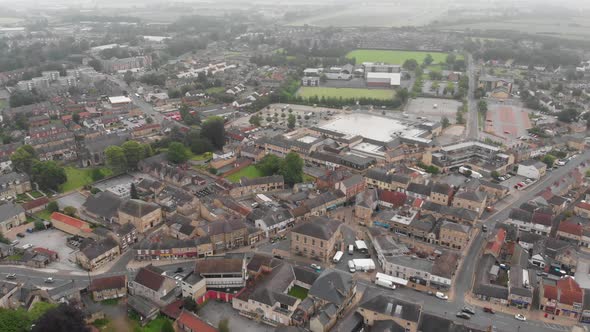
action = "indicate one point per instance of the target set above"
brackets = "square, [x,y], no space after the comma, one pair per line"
[36,194]
[153,326]
[3,104]
[395,57]
[44,214]
[217,89]
[201,157]
[79,177]
[22,197]
[345,93]
[308,178]
[15,257]
[110,302]
[251,172]
[298,292]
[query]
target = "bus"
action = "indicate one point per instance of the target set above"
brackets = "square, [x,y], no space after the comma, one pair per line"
[337,257]
[390,279]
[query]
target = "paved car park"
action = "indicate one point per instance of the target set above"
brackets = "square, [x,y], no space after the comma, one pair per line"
[214,311]
[55,240]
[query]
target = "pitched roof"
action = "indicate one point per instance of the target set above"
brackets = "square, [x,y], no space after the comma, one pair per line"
[100,284]
[137,208]
[9,210]
[570,227]
[71,221]
[390,306]
[441,188]
[99,248]
[318,227]
[104,204]
[219,264]
[150,277]
[474,196]
[419,188]
[194,323]
[332,286]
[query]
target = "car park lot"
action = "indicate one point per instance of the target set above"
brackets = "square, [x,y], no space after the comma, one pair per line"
[55,240]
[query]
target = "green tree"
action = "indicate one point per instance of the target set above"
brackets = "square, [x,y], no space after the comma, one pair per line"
[213,129]
[255,120]
[495,174]
[76,117]
[403,95]
[52,207]
[64,318]
[134,153]
[14,320]
[568,115]
[177,153]
[549,160]
[167,326]
[133,192]
[70,211]
[147,150]
[96,174]
[40,308]
[428,59]
[39,225]
[223,325]
[115,159]
[291,121]
[48,175]
[292,168]
[451,59]
[23,158]
[482,106]
[269,165]
[410,64]
[128,77]
[445,122]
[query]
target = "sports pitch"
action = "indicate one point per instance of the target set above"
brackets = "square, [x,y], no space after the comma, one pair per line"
[345,93]
[396,57]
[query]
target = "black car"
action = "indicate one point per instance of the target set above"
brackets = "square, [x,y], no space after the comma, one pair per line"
[21,235]
[463,315]
[179,270]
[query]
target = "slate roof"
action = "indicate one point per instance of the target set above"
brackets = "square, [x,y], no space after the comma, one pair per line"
[245,182]
[455,226]
[305,274]
[150,277]
[318,227]
[143,306]
[520,214]
[432,323]
[390,306]
[441,188]
[9,210]
[99,248]
[114,282]
[104,204]
[332,286]
[137,208]
[272,287]
[419,188]
[219,264]
[474,196]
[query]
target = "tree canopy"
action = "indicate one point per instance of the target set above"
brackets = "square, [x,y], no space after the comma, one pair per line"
[23,158]
[213,129]
[177,153]
[48,174]
[115,159]
[292,168]
[64,318]
[134,153]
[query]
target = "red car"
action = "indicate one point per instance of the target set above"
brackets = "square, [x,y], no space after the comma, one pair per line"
[489,310]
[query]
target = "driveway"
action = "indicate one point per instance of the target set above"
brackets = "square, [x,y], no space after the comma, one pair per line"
[215,311]
[74,199]
[55,240]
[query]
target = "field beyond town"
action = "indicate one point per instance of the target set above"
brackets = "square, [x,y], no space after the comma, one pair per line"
[396,57]
[345,93]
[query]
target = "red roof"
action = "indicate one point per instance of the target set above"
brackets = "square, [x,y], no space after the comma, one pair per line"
[417,203]
[496,244]
[570,227]
[71,221]
[550,292]
[395,198]
[584,205]
[542,218]
[45,251]
[35,203]
[569,291]
[194,323]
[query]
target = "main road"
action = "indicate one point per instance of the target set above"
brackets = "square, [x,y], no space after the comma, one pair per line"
[472,121]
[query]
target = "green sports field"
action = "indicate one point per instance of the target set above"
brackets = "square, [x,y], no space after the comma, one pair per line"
[395,57]
[345,93]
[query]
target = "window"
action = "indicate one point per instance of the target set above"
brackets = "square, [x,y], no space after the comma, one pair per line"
[321,244]
[297,237]
[313,242]
[305,240]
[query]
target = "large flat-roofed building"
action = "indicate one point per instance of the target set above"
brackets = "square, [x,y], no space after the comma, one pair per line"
[385,80]
[477,155]
[373,67]
[377,129]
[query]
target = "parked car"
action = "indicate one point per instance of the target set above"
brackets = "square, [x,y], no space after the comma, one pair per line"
[49,280]
[468,310]
[11,276]
[316,267]
[463,315]
[441,296]
[488,310]
[520,317]
[21,235]
[179,270]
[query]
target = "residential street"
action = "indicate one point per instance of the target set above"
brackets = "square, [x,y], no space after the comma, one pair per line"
[472,124]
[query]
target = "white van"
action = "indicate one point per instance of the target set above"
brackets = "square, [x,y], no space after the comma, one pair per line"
[338,256]
[350,249]
[27,246]
[351,267]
